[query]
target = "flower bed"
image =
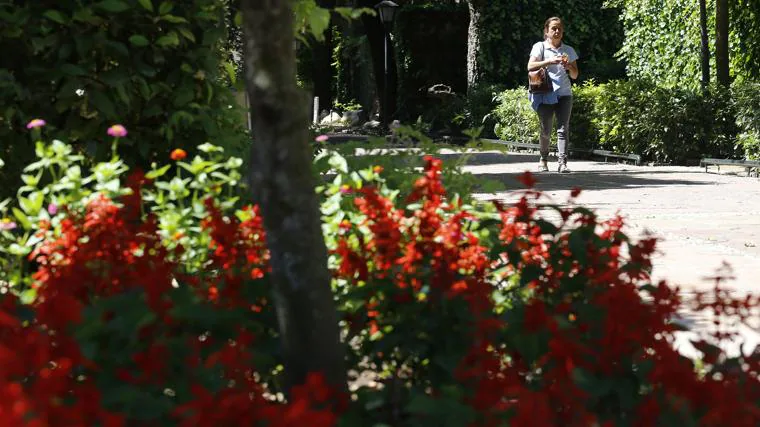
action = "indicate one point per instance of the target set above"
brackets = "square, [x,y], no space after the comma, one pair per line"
[144,299]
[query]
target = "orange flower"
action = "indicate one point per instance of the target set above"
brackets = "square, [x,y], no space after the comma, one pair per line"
[178,154]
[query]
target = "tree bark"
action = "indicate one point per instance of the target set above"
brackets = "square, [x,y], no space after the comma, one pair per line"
[376,36]
[284,190]
[473,44]
[721,42]
[705,44]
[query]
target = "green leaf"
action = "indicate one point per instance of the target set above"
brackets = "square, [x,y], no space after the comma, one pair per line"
[139,40]
[183,96]
[146,4]
[187,34]
[158,172]
[169,40]
[22,218]
[174,19]
[55,15]
[102,103]
[319,20]
[231,73]
[114,6]
[165,8]
[210,148]
[578,247]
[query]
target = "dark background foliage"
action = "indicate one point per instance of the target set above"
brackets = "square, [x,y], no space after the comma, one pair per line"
[157,68]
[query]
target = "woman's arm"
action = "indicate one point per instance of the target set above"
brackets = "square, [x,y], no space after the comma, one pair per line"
[572,69]
[534,64]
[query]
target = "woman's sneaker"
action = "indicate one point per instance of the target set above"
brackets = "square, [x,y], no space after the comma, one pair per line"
[563,168]
[542,166]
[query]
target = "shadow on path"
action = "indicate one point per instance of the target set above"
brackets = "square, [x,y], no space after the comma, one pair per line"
[596,180]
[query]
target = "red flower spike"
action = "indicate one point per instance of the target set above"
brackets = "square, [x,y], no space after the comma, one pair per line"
[527,179]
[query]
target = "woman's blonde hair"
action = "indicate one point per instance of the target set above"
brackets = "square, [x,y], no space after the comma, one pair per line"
[549,22]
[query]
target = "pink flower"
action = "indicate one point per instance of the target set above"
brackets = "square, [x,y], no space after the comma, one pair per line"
[52,209]
[117,131]
[35,123]
[322,138]
[6,224]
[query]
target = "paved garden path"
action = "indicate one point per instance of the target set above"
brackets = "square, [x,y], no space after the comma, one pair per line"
[703,220]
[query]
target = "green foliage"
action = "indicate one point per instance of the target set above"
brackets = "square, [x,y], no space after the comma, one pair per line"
[312,21]
[662,40]
[747,106]
[531,312]
[745,45]
[674,125]
[505,44]
[594,32]
[156,66]
[61,180]
[515,119]
[401,164]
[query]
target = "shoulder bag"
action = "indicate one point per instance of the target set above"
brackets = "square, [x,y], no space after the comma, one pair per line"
[538,80]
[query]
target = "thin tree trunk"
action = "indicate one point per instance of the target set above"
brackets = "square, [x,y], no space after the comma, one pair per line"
[705,44]
[473,44]
[284,190]
[721,42]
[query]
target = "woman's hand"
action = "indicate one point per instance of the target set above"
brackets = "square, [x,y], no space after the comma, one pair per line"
[555,60]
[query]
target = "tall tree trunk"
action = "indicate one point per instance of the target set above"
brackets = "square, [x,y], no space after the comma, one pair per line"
[721,42]
[376,37]
[473,43]
[705,43]
[284,190]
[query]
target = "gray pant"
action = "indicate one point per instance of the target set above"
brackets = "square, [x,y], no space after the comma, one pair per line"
[546,113]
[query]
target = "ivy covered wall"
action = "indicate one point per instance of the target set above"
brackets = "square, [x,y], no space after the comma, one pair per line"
[662,40]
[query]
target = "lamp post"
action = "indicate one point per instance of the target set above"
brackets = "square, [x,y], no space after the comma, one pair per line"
[387,11]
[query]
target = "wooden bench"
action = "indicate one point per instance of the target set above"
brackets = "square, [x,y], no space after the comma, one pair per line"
[636,158]
[603,153]
[751,166]
[524,145]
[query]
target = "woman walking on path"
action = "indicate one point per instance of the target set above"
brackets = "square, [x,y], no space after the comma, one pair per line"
[559,61]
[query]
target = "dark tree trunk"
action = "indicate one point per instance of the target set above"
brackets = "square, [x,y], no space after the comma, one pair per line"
[376,37]
[705,43]
[284,190]
[721,42]
[473,43]
[322,69]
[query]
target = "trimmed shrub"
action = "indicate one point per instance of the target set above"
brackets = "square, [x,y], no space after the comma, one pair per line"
[663,125]
[515,119]
[747,105]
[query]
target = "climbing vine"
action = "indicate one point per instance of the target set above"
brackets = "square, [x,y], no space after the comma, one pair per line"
[662,40]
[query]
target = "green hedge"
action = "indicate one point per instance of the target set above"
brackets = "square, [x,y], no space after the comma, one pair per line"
[747,104]
[156,67]
[663,125]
